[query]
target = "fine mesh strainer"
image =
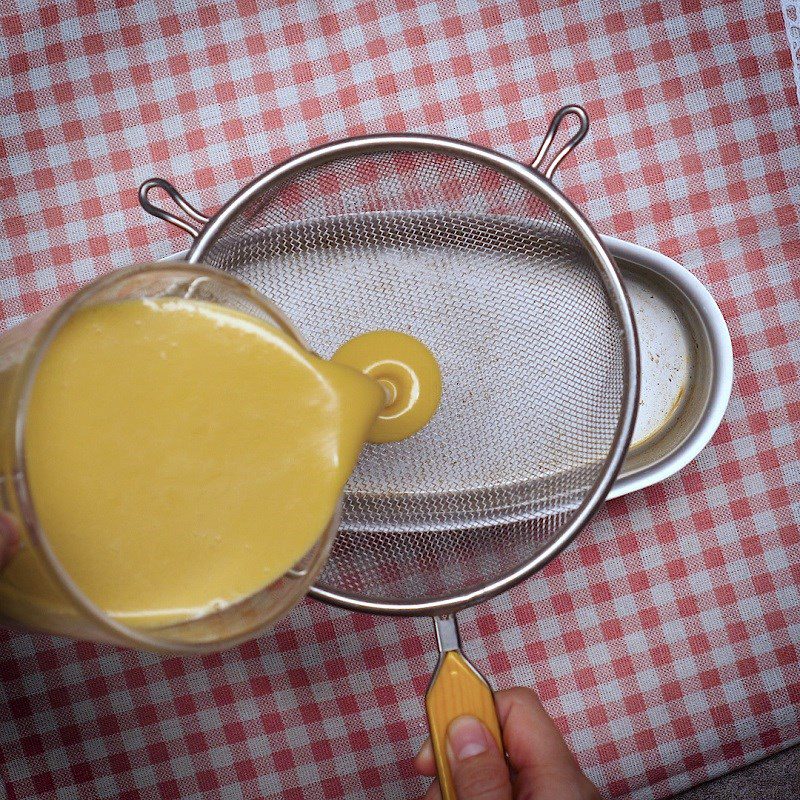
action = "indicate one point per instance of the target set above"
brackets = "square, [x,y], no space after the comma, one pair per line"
[488,264]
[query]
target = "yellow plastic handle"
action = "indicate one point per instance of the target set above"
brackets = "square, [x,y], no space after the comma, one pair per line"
[457,689]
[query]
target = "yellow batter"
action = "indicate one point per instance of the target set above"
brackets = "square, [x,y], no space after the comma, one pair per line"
[409,375]
[181,456]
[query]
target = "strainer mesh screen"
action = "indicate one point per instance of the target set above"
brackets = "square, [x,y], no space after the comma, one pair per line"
[500,288]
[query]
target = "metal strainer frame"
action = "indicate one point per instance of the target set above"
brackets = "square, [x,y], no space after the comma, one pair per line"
[207,230]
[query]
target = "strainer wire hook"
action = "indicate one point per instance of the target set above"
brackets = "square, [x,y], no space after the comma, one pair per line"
[576,139]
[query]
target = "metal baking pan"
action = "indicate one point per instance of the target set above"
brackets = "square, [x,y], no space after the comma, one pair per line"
[686,365]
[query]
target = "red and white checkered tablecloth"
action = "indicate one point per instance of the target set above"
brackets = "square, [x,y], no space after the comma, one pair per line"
[665,641]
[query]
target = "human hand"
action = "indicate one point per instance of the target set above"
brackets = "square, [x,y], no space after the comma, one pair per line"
[542,767]
[9,539]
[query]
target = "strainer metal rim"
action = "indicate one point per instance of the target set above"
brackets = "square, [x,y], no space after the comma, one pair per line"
[544,188]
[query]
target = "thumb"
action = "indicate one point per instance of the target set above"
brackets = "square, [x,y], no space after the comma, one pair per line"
[9,538]
[479,768]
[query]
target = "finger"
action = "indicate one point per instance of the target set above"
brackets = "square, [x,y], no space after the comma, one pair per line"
[9,538]
[478,767]
[530,737]
[536,749]
[424,762]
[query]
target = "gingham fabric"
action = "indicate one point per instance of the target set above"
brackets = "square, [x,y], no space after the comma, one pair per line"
[664,641]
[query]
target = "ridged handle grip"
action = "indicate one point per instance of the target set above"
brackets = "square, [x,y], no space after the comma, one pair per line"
[457,689]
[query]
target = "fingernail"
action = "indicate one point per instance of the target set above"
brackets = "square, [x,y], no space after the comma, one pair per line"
[426,751]
[467,737]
